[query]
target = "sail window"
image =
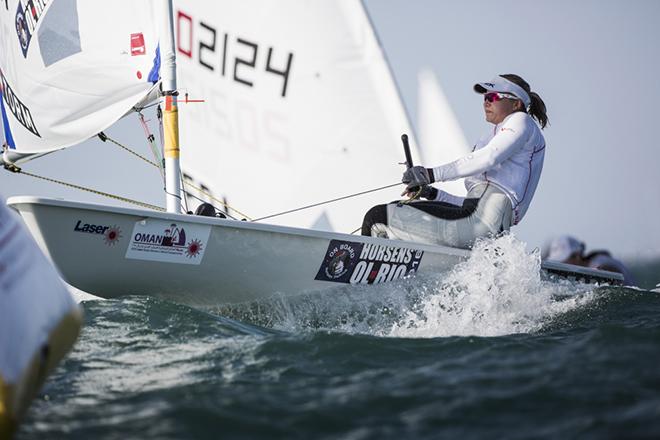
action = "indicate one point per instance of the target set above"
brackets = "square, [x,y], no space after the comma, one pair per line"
[59,34]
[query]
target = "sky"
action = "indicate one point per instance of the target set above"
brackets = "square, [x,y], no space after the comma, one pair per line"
[594,62]
[596,65]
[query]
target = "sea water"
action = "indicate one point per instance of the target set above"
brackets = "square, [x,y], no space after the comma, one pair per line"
[488,350]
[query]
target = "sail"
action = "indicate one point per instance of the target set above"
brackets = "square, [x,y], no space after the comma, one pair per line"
[440,136]
[71,68]
[39,319]
[299,107]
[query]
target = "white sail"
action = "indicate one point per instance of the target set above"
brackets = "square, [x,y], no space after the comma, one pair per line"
[440,136]
[39,320]
[71,68]
[299,107]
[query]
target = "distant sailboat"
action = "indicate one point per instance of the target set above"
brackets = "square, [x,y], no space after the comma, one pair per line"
[312,77]
[441,138]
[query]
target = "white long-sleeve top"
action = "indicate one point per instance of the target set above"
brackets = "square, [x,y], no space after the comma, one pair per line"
[511,157]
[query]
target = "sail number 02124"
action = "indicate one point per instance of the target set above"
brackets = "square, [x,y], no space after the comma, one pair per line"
[213,49]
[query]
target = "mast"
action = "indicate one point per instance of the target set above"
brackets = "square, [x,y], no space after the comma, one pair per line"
[171,112]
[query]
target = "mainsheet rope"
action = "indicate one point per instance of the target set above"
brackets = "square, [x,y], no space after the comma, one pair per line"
[104,137]
[16,169]
[327,201]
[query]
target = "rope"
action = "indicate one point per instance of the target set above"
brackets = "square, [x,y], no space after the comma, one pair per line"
[184,199]
[151,140]
[327,201]
[15,169]
[104,138]
[413,197]
[217,200]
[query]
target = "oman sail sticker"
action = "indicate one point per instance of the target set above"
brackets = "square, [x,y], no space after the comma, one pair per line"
[364,263]
[169,242]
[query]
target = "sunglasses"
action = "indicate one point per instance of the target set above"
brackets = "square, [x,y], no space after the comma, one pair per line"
[496,96]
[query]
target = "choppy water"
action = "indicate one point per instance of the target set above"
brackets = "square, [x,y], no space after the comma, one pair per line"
[489,350]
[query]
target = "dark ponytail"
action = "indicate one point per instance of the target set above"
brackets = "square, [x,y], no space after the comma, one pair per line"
[537,108]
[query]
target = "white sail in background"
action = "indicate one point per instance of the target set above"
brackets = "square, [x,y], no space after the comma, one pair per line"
[440,136]
[71,68]
[300,107]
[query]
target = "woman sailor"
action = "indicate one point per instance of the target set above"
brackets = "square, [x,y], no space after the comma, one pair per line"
[501,173]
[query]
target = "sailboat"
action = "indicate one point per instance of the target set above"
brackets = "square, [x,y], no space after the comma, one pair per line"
[62,85]
[438,126]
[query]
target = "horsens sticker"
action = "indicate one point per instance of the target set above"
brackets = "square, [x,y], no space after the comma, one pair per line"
[366,263]
[166,241]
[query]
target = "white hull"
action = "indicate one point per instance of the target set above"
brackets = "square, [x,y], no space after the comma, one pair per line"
[111,252]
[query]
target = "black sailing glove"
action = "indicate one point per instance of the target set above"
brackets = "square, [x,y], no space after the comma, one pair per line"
[417,176]
[424,192]
[428,192]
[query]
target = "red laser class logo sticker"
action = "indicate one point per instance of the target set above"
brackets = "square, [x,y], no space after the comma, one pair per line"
[112,235]
[194,248]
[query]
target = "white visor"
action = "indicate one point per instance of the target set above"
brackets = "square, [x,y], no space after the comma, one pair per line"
[500,84]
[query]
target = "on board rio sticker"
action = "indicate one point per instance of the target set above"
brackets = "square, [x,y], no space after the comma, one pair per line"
[365,263]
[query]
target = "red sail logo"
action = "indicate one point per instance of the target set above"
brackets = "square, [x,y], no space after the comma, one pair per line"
[137,44]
